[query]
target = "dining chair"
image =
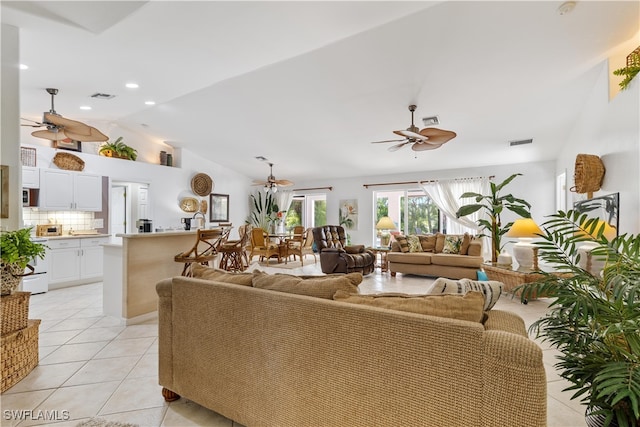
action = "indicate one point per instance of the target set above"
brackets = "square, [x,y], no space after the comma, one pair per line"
[234,256]
[301,244]
[204,250]
[260,245]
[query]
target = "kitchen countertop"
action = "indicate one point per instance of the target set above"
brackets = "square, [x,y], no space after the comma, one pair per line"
[156,234]
[70,236]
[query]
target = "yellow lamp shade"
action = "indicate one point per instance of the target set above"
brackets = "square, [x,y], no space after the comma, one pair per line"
[524,228]
[385,223]
[609,232]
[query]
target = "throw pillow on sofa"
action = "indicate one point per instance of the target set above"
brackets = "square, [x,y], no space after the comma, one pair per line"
[491,290]
[463,307]
[319,287]
[402,242]
[414,243]
[428,242]
[202,272]
[452,245]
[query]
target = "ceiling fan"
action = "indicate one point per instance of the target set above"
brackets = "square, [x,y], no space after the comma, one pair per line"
[272,183]
[60,128]
[425,139]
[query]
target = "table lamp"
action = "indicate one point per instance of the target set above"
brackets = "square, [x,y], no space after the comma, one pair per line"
[587,261]
[383,226]
[524,251]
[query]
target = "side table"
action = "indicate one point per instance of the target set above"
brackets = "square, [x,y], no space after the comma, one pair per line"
[382,251]
[511,278]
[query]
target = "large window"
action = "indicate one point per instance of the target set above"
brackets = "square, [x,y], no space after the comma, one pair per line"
[412,211]
[308,211]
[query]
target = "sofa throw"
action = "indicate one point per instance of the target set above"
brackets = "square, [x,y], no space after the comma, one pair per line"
[491,290]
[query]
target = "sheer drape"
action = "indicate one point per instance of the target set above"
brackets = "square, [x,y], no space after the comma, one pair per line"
[446,195]
[284,199]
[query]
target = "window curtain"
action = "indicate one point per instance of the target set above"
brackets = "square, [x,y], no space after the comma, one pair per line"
[446,195]
[284,199]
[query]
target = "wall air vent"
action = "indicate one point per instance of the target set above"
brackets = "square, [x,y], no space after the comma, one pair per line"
[520,142]
[99,95]
[430,121]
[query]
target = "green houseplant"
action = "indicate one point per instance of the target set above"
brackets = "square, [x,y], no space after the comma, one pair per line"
[118,149]
[263,210]
[594,319]
[631,70]
[495,204]
[17,250]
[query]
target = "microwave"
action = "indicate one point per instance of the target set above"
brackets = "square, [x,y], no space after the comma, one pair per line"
[30,197]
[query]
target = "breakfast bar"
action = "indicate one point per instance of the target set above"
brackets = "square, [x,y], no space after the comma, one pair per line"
[132,269]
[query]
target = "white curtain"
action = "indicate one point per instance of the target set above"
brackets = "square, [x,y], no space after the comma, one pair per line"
[446,195]
[284,199]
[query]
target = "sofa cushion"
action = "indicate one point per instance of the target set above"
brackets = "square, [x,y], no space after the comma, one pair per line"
[422,258]
[402,242]
[463,307]
[457,260]
[319,287]
[466,241]
[203,272]
[428,242]
[475,247]
[414,243]
[491,290]
[452,244]
[439,243]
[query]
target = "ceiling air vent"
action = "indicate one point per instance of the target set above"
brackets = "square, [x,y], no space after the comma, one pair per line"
[430,121]
[99,95]
[520,142]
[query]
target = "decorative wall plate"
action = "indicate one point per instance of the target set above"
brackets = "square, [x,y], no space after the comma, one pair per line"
[189,204]
[202,184]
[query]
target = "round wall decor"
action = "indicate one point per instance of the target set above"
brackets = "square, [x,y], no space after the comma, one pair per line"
[189,204]
[589,173]
[202,184]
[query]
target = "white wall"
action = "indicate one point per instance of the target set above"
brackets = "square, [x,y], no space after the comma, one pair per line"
[611,130]
[166,184]
[537,186]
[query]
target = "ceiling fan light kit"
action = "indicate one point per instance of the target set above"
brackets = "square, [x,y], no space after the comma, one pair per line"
[272,184]
[428,138]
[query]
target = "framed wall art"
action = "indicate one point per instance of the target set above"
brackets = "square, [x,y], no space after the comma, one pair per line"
[349,214]
[218,207]
[68,144]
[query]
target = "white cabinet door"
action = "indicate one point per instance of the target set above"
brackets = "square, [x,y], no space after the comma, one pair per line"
[65,190]
[64,265]
[91,257]
[56,189]
[87,192]
[30,177]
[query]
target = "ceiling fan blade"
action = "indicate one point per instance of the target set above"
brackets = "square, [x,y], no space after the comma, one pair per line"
[73,125]
[94,135]
[409,134]
[283,182]
[387,140]
[35,125]
[437,136]
[423,146]
[50,135]
[398,146]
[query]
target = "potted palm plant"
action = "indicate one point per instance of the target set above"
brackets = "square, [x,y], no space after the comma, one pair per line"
[594,319]
[17,251]
[495,204]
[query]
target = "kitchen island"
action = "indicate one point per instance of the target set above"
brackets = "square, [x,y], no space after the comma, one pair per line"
[132,269]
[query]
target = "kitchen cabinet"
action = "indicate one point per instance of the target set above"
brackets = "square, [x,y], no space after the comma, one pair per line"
[66,190]
[74,261]
[30,177]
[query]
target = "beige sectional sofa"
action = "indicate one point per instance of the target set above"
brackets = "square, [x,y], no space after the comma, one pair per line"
[428,256]
[267,357]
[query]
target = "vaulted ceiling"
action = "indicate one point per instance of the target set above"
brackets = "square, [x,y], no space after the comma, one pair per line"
[309,85]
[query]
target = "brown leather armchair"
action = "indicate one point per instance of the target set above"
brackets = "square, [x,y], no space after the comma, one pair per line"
[336,256]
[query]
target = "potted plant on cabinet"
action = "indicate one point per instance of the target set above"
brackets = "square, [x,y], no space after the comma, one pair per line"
[17,250]
[594,319]
[494,204]
[631,70]
[118,149]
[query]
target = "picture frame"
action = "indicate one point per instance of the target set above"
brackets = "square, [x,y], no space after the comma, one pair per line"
[218,207]
[68,144]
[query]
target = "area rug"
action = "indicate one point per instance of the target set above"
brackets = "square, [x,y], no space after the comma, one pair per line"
[99,422]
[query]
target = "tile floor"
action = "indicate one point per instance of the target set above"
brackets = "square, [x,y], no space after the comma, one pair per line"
[92,366]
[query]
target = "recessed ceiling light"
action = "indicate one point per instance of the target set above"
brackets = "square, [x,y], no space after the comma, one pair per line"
[150,102]
[132,85]
[24,67]
[85,107]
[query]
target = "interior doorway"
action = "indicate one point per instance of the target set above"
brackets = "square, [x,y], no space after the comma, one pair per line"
[129,203]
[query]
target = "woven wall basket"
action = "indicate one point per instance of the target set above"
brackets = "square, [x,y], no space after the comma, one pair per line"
[68,162]
[588,175]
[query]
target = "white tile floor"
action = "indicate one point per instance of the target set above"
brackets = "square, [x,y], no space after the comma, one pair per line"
[91,366]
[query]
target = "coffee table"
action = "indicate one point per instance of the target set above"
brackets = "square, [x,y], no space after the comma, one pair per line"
[510,277]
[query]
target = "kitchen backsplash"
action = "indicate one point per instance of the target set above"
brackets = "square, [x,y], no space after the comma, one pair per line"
[70,220]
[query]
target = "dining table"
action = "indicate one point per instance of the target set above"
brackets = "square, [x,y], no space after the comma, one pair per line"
[281,238]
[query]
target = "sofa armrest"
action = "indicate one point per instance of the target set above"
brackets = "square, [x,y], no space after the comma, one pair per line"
[514,381]
[475,248]
[164,288]
[499,320]
[354,249]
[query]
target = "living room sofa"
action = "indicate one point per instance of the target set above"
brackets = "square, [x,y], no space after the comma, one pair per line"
[435,255]
[269,357]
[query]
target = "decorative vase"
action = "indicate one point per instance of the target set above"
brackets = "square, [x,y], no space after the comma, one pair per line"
[280,227]
[11,277]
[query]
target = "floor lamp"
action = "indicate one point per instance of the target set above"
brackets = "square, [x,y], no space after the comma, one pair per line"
[524,251]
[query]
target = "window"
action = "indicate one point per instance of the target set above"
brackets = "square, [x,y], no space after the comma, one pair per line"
[308,211]
[412,211]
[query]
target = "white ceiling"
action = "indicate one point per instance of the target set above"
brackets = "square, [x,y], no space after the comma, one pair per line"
[309,84]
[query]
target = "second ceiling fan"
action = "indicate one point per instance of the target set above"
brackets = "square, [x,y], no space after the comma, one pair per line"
[421,140]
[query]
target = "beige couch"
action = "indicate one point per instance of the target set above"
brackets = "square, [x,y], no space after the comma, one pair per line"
[268,358]
[429,257]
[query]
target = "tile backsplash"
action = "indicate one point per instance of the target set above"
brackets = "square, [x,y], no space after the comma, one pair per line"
[70,220]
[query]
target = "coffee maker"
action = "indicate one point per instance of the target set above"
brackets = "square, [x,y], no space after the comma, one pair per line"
[186,222]
[144,226]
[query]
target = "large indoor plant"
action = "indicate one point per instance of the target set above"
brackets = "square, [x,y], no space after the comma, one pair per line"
[118,149]
[594,319]
[17,250]
[495,204]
